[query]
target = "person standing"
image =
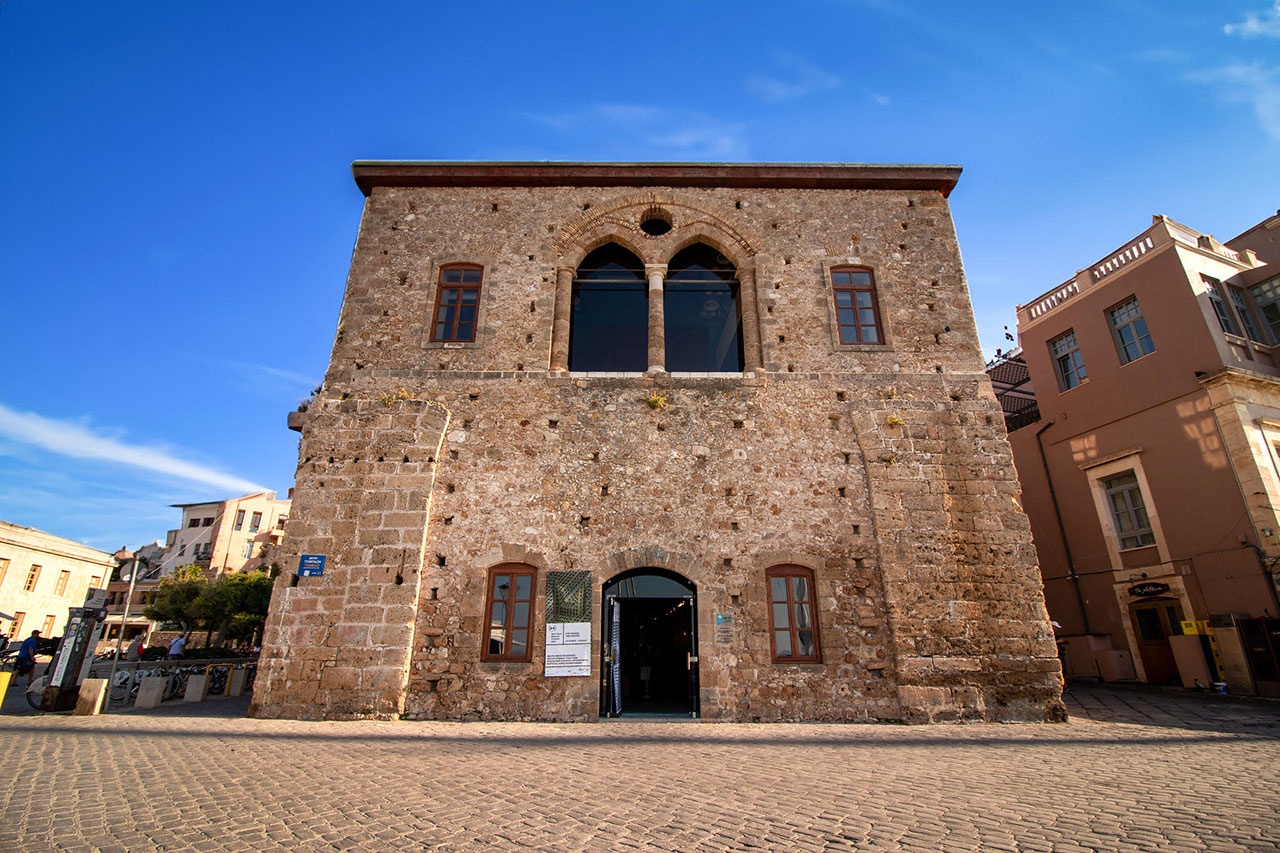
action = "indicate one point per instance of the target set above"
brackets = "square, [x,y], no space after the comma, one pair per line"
[26,663]
[134,652]
[176,647]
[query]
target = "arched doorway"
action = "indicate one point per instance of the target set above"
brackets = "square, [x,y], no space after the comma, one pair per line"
[649,645]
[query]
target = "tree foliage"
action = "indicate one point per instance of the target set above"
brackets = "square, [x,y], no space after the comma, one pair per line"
[234,605]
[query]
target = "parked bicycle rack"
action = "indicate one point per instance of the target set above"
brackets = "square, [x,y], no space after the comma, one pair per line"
[227,677]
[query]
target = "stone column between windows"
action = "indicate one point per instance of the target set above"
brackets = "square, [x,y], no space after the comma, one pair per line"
[657,273]
[751,352]
[560,319]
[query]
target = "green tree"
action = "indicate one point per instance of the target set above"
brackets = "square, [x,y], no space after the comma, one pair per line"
[176,596]
[234,605]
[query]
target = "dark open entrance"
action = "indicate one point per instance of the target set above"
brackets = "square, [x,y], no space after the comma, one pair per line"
[650,645]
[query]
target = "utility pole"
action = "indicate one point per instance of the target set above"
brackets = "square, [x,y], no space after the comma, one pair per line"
[124,620]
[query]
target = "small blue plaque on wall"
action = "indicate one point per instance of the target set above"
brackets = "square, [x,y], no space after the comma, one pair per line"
[311,565]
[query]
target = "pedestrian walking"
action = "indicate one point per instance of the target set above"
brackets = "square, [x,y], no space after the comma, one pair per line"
[176,647]
[26,663]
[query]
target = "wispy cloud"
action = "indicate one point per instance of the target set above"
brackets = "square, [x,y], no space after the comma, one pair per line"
[69,438]
[653,132]
[1254,84]
[1257,24]
[255,373]
[881,100]
[792,77]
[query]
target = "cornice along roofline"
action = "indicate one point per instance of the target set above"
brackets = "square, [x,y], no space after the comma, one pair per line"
[835,176]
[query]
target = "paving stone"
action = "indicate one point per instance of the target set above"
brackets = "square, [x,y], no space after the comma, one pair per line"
[1164,771]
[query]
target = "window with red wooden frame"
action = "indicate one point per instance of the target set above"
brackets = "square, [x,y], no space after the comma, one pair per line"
[457,303]
[793,618]
[857,309]
[508,608]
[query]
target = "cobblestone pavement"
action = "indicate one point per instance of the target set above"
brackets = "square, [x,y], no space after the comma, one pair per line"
[1134,770]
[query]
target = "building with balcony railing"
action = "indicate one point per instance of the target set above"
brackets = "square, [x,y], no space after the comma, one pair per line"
[1152,474]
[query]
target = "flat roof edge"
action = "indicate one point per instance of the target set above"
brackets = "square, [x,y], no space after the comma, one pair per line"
[877,176]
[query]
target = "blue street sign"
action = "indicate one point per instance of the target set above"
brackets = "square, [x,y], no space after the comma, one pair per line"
[311,565]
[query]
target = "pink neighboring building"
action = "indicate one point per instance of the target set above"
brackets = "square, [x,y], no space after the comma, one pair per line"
[1152,476]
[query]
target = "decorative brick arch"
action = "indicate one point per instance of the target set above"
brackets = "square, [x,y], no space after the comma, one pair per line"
[620,220]
[679,562]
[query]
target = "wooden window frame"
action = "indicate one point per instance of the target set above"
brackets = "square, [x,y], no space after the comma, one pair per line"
[855,289]
[460,286]
[239,522]
[46,628]
[60,588]
[255,522]
[514,570]
[4,569]
[19,616]
[789,571]
[33,578]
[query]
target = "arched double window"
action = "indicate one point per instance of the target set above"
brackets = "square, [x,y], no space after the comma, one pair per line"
[703,313]
[609,314]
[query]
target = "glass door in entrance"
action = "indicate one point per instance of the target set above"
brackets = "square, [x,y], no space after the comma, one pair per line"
[650,646]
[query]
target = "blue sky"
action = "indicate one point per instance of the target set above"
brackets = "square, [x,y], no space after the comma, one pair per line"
[177,212]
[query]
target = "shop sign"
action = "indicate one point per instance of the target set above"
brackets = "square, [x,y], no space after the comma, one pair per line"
[1146,589]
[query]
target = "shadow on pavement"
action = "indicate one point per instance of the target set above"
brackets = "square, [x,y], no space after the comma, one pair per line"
[1171,707]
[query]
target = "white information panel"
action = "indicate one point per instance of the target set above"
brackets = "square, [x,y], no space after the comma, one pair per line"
[568,649]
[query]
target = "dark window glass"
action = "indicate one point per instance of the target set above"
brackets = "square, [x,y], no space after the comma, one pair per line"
[1129,330]
[1149,627]
[702,313]
[1068,363]
[1241,302]
[609,319]
[457,303]
[792,619]
[239,520]
[1267,297]
[1220,309]
[857,310]
[509,609]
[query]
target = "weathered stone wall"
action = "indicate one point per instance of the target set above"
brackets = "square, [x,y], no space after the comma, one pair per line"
[337,646]
[884,469]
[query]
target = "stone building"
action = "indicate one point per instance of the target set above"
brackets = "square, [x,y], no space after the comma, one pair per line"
[698,439]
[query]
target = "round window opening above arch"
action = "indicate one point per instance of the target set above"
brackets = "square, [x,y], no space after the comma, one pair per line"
[655,222]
